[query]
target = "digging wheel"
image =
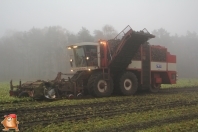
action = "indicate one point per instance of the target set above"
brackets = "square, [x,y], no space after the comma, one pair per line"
[154,88]
[128,84]
[100,86]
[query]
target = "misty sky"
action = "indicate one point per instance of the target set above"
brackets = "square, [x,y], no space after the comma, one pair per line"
[176,16]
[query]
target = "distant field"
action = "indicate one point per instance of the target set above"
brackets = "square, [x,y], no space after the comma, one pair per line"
[182,83]
[171,110]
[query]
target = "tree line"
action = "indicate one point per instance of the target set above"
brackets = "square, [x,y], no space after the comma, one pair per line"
[41,53]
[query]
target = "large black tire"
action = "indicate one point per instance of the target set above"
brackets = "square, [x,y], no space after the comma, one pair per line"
[100,87]
[154,88]
[90,83]
[128,84]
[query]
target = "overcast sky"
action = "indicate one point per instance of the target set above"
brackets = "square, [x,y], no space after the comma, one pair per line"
[176,16]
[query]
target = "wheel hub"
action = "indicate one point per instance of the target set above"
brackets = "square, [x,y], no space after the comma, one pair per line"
[156,86]
[102,86]
[127,84]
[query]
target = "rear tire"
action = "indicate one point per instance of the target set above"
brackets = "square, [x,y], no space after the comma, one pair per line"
[100,87]
[128,84]
[155,88]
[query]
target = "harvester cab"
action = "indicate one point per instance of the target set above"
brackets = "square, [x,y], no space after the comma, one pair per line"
[84,56]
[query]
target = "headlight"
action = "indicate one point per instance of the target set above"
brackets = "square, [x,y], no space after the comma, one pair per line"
[102,42]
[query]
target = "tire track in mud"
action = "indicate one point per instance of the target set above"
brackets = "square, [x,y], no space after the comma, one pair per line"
[107,113]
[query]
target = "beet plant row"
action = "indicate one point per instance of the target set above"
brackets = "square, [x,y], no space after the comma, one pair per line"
[66,114]
[135,119]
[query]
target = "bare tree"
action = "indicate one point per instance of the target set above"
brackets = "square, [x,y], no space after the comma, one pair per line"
[84,35]
[109,32]
[98,35]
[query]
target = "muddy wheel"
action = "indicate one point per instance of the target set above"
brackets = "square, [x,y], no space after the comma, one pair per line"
[99,86]
[155,88]
[128,84]
[90,83]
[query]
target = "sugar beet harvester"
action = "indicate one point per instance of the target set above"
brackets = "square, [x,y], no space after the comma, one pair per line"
[122,65]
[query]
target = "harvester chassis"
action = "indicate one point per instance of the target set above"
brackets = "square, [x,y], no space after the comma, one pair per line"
[81,83]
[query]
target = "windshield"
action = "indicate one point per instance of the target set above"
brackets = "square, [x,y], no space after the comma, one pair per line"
[80,59]
[85,55]
[91,53]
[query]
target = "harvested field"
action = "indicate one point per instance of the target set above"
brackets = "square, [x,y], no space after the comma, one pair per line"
[143,112]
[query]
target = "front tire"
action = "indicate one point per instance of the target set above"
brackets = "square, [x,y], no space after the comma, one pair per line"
[128,84]
[99,86]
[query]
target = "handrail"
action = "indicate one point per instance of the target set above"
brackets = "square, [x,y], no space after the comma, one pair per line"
[123,31]
[145,30]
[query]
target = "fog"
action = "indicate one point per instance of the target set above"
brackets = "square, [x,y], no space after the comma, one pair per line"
[34,34]
[177,16]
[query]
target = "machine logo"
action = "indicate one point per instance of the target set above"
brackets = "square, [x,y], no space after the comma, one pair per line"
[158,66]
[10,122]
